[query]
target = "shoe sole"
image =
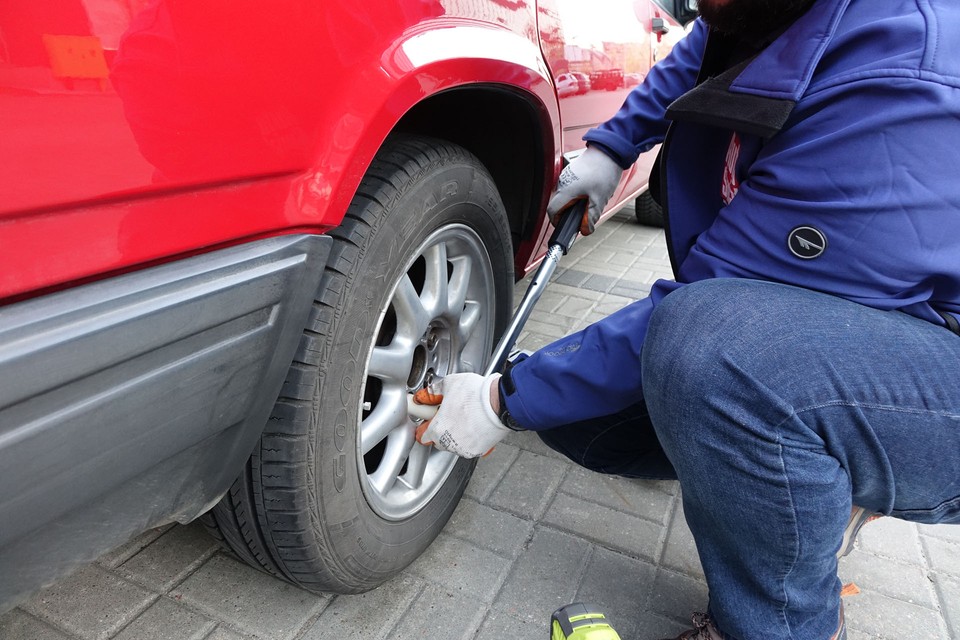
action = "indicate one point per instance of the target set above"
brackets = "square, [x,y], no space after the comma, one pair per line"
[858,518]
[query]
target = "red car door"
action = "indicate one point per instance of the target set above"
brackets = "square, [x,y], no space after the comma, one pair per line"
[612,43]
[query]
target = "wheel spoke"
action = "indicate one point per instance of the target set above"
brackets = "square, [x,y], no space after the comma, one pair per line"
[416,466]
[392,362]
[459,284]
[435,279]
[412,317]
[395,455]
[469,320]
[389,414]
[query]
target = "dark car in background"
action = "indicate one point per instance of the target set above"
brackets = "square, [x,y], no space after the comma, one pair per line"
[607,79]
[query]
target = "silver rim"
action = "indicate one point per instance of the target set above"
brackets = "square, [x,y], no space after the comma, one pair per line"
[438,320]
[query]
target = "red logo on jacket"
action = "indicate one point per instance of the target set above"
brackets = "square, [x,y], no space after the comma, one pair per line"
[730,185]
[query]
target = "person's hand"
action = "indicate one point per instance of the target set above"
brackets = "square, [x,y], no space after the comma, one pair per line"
[466,423]
[592,175]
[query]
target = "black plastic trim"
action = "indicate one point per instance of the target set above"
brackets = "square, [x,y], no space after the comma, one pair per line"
[712,103]
[135,401]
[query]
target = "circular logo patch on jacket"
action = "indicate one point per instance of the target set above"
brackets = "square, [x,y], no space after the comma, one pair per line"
[807,242]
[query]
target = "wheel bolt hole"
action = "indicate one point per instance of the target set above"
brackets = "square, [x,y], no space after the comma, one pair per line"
[418,369]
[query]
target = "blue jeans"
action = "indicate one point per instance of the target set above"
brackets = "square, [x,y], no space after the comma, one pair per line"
[778,408]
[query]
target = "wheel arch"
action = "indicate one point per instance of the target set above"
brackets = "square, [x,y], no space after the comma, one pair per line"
[484,88]
[505,132]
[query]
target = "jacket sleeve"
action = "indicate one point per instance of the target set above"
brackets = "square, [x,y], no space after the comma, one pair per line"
[593,372]
[596,371]
[639,125]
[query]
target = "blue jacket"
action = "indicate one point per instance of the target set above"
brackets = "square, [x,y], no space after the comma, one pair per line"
[827,161]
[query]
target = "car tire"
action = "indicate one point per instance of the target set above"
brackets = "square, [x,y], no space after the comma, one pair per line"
[338,496]
[648,211]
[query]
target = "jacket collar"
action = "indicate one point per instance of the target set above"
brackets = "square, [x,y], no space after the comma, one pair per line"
[784,68]
[758,95]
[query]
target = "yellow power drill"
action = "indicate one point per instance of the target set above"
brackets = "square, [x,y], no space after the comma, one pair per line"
[580,621]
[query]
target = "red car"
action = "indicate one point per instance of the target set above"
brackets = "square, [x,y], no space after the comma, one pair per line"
[235,235]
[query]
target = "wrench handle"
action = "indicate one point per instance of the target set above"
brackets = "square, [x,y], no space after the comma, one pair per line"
[566,232]
[421,411]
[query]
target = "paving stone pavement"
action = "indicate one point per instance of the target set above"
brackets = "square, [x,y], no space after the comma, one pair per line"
[532,533]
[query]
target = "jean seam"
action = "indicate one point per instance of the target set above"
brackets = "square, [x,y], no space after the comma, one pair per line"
[945,504]
[796,414]
[874,405]
[796,534]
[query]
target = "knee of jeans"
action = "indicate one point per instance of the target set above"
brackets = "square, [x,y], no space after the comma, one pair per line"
[694,328]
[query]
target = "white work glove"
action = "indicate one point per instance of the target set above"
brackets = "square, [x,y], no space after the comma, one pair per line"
[466,423]
[592,175]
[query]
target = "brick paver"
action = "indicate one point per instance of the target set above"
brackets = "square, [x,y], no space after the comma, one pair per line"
[533,532]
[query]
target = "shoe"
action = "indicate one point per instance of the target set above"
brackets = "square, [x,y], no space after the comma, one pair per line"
[703,629]
[858,517]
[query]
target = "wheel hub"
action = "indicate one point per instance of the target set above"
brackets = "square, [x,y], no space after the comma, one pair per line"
[433,356]
[418,369]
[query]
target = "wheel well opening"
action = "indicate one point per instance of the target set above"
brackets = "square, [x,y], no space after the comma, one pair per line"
[503,131]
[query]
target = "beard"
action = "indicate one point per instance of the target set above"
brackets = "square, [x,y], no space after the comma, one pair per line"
[751,19]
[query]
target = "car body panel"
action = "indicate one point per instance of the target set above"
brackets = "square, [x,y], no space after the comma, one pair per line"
[603,39]
[280,134]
